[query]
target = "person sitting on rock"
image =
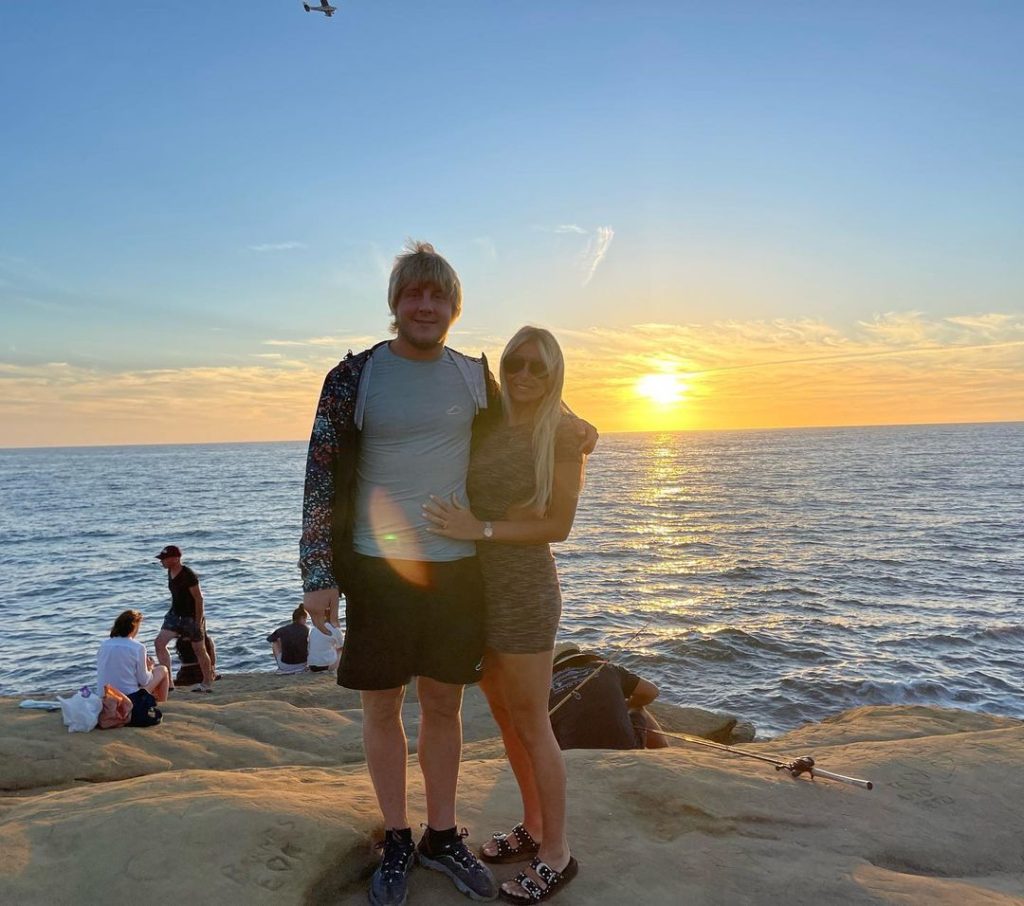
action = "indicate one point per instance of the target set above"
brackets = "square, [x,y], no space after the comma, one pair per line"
[291,643]
[122,662]
[324,646]
[596,704]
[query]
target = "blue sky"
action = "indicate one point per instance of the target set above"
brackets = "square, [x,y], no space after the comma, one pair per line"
[191,185]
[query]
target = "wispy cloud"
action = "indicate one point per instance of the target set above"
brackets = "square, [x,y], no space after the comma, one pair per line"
[86,405]
[277,246]
[593,253]
[343,342]
[561,229]
[596,249]
[382,262]
[898,367]
[487,247]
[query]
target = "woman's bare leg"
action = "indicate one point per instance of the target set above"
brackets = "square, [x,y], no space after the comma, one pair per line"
[159,684]
[522,767]
[526,682]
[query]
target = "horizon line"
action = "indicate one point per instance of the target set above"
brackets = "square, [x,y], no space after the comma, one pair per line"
[225,443]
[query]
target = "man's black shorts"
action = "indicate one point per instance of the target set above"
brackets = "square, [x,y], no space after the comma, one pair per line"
[185,627]
[409,618]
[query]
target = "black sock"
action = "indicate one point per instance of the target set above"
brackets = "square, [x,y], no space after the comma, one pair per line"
[436,839]
[404,834]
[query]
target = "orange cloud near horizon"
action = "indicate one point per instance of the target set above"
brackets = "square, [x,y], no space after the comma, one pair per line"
[897,369]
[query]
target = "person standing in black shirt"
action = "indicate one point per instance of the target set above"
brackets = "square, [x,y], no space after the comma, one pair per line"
[186,618]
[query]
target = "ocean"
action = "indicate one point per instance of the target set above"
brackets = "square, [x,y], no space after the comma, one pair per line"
[783,576]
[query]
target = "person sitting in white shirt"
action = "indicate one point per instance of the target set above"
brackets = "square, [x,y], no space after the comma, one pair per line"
[324,647]
[122,661]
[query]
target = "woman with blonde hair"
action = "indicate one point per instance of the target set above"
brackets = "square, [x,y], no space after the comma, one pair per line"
[523,484]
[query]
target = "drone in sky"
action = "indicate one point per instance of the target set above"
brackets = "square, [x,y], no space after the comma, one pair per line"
[324,8]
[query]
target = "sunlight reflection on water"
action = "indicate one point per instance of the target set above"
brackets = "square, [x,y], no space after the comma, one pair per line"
[784,575]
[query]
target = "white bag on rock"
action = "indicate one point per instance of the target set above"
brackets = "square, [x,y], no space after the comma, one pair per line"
[81,711]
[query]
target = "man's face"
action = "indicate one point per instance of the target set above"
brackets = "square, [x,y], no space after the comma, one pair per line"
[169,562]
[423,314]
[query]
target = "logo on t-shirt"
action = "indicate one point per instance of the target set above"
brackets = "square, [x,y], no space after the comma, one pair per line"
[454,410]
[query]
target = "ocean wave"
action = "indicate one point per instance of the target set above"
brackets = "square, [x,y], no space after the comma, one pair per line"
[940,639]
[733,644]
[785,575]
[855,692]
[745,573]
[1007,631]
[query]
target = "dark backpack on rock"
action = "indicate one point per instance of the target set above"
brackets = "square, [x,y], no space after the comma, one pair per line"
[145,713]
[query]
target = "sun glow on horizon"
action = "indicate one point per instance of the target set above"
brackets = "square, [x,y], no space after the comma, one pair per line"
[665,389]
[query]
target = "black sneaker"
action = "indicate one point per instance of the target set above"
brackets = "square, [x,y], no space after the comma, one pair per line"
[388,885]
[454,859]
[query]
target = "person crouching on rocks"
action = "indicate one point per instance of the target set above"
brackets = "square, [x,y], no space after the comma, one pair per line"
[189,671]
[595,704]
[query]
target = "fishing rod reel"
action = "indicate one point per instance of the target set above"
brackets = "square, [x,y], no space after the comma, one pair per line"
[797,766]
[802,765]
[805,765]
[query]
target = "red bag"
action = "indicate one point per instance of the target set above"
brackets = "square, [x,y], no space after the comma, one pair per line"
[117,708]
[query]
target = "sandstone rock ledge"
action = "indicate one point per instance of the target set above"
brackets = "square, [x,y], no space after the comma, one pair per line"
[258,794]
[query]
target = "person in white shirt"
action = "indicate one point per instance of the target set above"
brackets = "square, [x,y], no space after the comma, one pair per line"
[122,661]
[324,646]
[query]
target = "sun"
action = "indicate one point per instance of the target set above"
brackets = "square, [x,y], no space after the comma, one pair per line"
[664,389]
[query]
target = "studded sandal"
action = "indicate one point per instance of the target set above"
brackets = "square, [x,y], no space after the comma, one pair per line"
[554,881]
[506,852]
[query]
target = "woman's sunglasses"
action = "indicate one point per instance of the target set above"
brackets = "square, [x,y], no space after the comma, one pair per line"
[513,364]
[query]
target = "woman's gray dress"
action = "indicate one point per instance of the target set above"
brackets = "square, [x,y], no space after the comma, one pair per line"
[521,590]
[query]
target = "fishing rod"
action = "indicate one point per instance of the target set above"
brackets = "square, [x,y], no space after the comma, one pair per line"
[575,691]
[805,764]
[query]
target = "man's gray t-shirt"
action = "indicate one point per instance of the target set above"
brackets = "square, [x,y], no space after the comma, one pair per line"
[415,439]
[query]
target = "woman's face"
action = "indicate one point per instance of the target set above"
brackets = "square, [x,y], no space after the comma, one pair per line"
[524,374]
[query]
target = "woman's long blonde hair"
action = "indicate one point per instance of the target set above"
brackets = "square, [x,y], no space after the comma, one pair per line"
[548,414]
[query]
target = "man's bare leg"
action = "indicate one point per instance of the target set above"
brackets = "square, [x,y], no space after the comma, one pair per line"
[439,748]
[211,650]
[162,654]
[387,751]
[440,751]
[199,647]
[652,729]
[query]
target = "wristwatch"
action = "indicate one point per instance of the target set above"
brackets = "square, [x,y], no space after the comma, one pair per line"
[488,531]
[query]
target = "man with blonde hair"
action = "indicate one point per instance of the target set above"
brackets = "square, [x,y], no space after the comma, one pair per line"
[393,425]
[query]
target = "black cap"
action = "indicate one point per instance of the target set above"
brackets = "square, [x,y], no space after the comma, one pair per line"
[172,550]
